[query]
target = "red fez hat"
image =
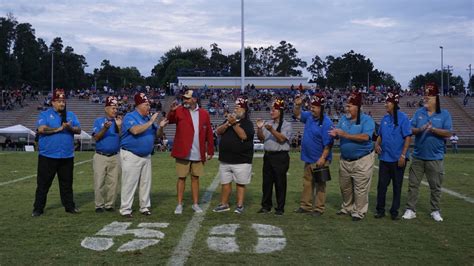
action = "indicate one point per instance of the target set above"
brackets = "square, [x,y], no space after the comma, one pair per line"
[279,104]
[318,100]
[355,98]
[140,98]
[431,89]
[59,95]
[241,102]
[393,97]
[111,101]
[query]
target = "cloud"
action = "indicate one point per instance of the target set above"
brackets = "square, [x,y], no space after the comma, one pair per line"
[375,22]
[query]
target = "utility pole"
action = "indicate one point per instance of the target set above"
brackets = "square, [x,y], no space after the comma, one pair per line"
[449,68]
[469,81]
[242,51]
[442,69]
[52,72]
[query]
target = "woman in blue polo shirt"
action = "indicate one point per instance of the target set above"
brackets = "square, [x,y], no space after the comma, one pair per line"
[430,125]
[355,130]
[392,145]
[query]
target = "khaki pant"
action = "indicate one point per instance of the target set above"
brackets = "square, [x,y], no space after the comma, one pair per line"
[136,171]
[106,178]
[434,171]
[306,201]
[354,181]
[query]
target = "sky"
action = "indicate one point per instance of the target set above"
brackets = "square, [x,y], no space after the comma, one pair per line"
[401,37]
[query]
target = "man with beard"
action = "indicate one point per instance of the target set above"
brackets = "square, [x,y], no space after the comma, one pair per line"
[56,129]
[355,131]
[193,145]
[315,152]
[276,160]
[138,136]
[106,161]
[431,125]
[393,141]
[235,155]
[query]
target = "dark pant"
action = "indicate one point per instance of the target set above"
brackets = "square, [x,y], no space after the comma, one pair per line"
[275,167]
[47,169]
[389,172]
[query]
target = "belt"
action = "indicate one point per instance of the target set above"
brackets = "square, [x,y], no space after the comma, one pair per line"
[106,154]
[351,160]
[275,152]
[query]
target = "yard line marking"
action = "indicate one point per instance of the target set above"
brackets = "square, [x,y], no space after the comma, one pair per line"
[181,252]
[447,191]
[30,176]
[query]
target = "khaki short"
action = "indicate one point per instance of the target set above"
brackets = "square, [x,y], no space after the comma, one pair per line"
[186,167]
[239,173]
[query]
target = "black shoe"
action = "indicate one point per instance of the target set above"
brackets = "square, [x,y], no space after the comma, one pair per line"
[99,210]
[356,219]
[73,211]
[316,214]
[341,213]
[111,209]
[146,213]
[263,210]
[394,217]
[301,210]
[128,216]
[36,213]
[278,212]
[379,215]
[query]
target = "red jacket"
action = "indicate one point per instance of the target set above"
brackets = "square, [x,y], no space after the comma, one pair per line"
[183,139]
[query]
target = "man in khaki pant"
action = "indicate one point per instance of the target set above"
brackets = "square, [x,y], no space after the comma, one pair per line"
[106,161]
[355,130]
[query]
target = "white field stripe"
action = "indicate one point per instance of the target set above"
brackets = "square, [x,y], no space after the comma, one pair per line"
[181,252]
[445,190]
[30,176]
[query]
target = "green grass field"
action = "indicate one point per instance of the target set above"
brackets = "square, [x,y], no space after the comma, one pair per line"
[55,237]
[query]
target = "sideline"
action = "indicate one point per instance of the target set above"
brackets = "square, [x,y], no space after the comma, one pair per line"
[182,250]
[30,176]
[445,190]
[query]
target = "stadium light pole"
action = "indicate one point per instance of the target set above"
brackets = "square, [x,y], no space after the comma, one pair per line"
[242,50]
[52,72]
[442,69]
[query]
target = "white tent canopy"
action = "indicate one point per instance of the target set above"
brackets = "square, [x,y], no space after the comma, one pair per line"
[83,136]
[17,131]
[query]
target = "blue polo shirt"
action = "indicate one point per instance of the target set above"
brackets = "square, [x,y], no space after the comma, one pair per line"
[393,137]
[429,146]
[58,145]
[351,150]
[315,137]
[141,144]
[110,142]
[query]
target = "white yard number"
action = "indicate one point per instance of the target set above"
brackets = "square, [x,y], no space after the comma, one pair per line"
[222,238]
[146,235]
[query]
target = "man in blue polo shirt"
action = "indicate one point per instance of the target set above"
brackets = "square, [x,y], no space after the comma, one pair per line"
[137,143]
[315,152]
[56,128]
[430,125]
[106,162]
[355,131]
[393,141]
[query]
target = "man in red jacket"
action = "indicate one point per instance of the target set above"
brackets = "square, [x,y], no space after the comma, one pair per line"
[193,144]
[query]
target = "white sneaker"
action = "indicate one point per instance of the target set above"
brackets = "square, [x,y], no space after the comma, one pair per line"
[436,216]
[409,214]
[196,208]
[179,209]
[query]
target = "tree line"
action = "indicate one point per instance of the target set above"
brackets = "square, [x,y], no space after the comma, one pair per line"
[26,59]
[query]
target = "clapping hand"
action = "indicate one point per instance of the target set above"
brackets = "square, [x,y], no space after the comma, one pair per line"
[164,122]
[260,123]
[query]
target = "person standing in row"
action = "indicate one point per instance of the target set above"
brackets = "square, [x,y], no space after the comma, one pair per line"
[276,159]
[393,142]
[355,131]
[193,145]
[106,161]
[137,144]
[56,128]
[431,125]
[235,155]
[315,152]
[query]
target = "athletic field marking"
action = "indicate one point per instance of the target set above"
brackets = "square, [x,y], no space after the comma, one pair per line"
[447,191]
[181,252]
[466,174]
[30,176]
[146,237]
